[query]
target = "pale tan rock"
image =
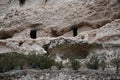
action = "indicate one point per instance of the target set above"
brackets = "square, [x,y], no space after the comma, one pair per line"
[97,21]
[56,15]
[109,33]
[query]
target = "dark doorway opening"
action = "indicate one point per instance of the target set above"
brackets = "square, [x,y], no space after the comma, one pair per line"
[75,31]
[21,2]
[33,34]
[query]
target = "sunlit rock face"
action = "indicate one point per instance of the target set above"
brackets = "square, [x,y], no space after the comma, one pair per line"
[30,25]
[109,33]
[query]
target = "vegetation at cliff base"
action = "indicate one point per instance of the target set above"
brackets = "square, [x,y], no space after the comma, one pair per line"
[19,61]
[40,61]
[93,63]
[14,61]
[75,64]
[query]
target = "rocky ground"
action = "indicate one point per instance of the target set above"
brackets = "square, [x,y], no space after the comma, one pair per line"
[65,74]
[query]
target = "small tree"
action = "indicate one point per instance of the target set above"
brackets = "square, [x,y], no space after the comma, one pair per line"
[93,63]
[75,64]
[59,65]
[116,63]
[103,64]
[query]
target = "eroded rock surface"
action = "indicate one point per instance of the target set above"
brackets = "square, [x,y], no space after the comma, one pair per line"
[56,17]
[31,25]
[71,28]
[59,75]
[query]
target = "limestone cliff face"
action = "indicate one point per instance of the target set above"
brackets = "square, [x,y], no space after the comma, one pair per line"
[30,25]
[109,33]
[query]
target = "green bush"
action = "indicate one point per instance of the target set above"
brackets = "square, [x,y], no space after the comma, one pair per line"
[9,61]
[59,65]
[93,63]
[40,61]
[75,64]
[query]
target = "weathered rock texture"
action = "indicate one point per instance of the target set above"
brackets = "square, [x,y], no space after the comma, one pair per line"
[36,25]
[72,28]
[59,75]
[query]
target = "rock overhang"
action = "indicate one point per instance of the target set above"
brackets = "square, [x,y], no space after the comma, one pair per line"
[60,19]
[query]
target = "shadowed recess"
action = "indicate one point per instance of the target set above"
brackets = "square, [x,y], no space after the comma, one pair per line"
[75,32]
[33,34]
[21,2]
